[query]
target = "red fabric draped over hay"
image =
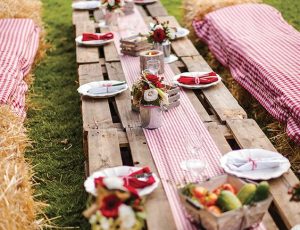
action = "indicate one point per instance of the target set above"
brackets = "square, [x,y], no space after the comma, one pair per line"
[262,52]
[19,43]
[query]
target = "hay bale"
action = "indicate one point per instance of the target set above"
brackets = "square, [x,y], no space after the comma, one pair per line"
[26,9]
[18,208]
[197,9]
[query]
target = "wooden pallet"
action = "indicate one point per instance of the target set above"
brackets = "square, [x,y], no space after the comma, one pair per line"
[113,135]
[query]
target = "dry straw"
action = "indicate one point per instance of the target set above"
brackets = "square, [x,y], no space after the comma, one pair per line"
[18,208]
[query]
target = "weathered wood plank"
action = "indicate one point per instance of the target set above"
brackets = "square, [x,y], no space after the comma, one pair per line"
[141,10]
[219,97]
[156,9]
[95,112]
[110,51]
[140,153]
[182,47]
[103,149]
[80,16]
[248,135]
[86,54]
[193,98]
[123,100]
[98,15]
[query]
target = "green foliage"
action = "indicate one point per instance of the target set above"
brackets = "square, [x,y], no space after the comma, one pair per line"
[54,122]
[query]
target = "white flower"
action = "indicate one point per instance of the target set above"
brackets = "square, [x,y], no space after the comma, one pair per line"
[127,216]
[122,3]
[105,223]
[171,34]
[114,183]
[150,95]
[111,2]
[93,219]
[158,27]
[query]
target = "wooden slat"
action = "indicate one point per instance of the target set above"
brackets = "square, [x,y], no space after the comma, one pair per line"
[156,220]
[156,9]
[141,10]
[95,112]
[103,149]
[249,135]
[182,47]
[110,51]
[219,97]
[123,100]
[98,15]
[79,17]
[86,54]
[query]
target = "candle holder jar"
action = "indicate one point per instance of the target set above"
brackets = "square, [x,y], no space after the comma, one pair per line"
[145,56]
[151,117]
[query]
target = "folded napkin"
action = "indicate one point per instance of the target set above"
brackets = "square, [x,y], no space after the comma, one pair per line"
[103,89]
[140,178]
[240,163]
[92,37]
[198,80]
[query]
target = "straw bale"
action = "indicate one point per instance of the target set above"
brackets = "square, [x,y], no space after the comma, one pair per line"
[18,208]
[197,9]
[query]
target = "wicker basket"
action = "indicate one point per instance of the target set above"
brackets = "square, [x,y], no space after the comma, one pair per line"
[242,218]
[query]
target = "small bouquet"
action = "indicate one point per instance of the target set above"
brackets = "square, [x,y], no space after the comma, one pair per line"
[112,5]
[149,91]
[117,206]
[160,32]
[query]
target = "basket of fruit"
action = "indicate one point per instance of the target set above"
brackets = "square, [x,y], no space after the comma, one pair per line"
[226,202]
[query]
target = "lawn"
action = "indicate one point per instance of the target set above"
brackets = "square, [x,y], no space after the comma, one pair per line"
[54,119]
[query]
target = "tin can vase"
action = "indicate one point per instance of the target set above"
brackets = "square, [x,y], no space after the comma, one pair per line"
[151,117]
[165,47]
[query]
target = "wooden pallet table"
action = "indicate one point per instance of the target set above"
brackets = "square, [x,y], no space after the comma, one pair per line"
[113,135]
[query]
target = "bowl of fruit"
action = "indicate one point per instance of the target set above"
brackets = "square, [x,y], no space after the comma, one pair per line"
[226,202]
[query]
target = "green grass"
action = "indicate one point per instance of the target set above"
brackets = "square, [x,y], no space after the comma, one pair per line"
[59,172]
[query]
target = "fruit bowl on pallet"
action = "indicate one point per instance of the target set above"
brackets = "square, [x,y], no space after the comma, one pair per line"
[241,211]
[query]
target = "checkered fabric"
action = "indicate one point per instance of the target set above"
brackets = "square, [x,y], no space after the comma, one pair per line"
[19,42]
[262,52]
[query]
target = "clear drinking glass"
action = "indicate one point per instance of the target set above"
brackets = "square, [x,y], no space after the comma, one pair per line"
[195,161]
[153,66]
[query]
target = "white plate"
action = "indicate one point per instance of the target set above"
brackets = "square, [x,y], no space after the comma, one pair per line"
[144,1]
[181,32]
[92,42]
[195,86]
[86,5]
[170,59]
[83,90]
[263,174]
[118,171]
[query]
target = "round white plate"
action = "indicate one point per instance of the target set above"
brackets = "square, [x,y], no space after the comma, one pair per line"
[92,42]
[263,174]
[170,59]
[144,1]
[195,86]
[86,5]
[118,171]
[181,32]
[83,89]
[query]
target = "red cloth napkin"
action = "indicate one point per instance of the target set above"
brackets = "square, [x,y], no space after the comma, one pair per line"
[198,80]
[91,37]
[134,182]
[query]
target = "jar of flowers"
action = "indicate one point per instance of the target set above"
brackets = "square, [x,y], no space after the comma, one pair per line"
[148,96]
[111,10]
[161,35]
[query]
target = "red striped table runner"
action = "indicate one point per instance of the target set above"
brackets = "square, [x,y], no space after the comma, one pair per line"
[167,144]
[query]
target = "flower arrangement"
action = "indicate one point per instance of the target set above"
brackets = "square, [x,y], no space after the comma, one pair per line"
[117,206]
[112,5]
[160,32]
[149,91]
